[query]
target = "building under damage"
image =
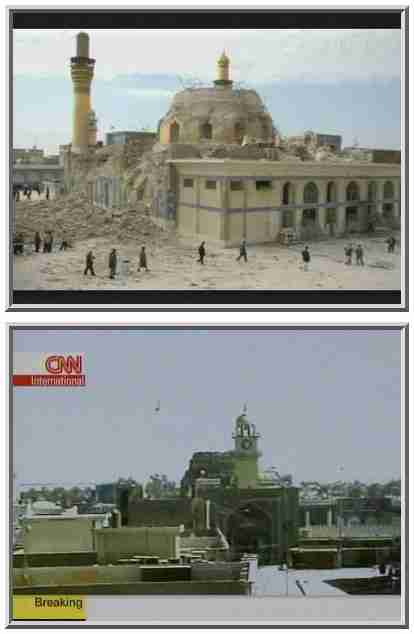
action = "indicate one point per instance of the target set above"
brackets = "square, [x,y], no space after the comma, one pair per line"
[218,169]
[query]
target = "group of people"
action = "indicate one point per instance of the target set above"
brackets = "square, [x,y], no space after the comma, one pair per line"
[27,192]
[113,263]
[359,254]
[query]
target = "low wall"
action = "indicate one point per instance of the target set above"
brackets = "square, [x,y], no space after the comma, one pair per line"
[217,571]
[113,544]
[151,587]
[35,560]
[59,535]
[128,579]
[320,559]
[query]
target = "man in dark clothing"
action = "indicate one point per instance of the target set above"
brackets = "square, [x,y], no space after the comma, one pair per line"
[391,244]
[112,264]
[142,260]
[89,263]
[50,244]
[46,242]
[37,241]
[47,193]
[359,252]
[29,194]
[201,253]
[306,258]
[64,244]
[348,254]
[243,251]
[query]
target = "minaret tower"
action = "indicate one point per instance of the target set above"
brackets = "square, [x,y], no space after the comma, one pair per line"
[82,67]
[246,452]
[223,72]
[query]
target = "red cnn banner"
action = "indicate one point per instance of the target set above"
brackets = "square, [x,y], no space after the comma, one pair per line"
[61,371]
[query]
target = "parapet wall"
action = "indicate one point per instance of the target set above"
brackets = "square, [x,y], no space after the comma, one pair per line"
[113,544]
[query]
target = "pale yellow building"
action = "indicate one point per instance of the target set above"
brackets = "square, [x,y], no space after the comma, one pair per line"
[226,200]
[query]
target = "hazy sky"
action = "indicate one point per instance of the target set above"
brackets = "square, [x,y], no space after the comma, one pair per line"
[317,55]
[357,72]
[320,399]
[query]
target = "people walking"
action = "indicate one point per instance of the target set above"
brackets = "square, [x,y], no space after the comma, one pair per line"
[201,252]
[391,241]
[89,264]
[348,254]
[359,252]
[142,260]
[64,244]
[47,193]
[47,242]
[37,241]
[113,261]
[306,258]
[243,251]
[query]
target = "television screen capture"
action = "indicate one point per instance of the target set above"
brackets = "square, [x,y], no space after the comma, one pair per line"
[250,463]
[265,159]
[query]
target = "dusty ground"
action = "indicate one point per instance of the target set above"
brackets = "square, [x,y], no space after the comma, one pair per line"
[173,262]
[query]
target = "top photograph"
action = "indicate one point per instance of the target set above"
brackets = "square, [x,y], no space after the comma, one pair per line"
[207,168]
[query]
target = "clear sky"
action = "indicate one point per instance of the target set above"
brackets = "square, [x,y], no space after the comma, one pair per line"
[354,74]
[321,400]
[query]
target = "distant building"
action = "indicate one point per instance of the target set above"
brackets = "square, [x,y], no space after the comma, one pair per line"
[32,155]
[253,515]
[122,137]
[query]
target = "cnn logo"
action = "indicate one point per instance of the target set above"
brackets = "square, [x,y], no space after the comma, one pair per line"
[59,364]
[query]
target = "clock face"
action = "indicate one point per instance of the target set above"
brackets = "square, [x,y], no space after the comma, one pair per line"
[246,443]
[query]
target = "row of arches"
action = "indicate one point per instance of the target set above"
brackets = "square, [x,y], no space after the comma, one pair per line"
[206,131]
[311,194]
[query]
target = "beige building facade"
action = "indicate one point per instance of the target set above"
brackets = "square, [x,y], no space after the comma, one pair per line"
[226,201]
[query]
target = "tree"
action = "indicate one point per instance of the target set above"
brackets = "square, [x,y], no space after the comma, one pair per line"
[159,487]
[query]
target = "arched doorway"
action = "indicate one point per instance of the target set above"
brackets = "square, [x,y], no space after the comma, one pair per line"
[206,131]
[352,210]
[310,198]
[388,204]
[372,210]
[174,132]
[288,198]
[239,132]
[331,198]
[249,530]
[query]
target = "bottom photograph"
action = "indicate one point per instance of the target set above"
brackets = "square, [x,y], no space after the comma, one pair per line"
[183,461]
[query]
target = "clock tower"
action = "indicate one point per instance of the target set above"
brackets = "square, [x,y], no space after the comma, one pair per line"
[246,453]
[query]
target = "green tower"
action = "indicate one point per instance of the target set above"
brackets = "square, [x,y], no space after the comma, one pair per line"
[246,452]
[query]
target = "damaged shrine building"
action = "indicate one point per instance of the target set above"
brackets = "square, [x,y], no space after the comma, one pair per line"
[218,169]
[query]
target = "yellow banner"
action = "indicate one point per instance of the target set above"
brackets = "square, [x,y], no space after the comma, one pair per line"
[53,607]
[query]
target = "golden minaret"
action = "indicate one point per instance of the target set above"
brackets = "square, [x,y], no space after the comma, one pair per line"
[82,67]
[223,71]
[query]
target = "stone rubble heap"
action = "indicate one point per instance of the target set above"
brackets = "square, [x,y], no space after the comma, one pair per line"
[74,217]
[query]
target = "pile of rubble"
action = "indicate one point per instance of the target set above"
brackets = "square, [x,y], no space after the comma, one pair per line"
[75,218]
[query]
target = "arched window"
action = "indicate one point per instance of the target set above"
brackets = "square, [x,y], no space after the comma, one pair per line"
[239,131]
[331,192]
[372,191]
[174,132]
[388,190]
[310,193]
[352,191]
[287,194]
[206,131]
